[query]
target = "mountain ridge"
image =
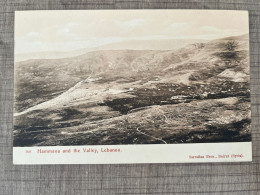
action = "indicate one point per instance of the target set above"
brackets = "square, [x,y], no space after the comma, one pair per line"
[109,64]
[123,45]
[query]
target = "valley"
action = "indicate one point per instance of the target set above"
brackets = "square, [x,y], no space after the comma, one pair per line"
[199,93]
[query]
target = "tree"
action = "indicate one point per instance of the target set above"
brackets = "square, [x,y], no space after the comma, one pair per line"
[229,52]
[231,45]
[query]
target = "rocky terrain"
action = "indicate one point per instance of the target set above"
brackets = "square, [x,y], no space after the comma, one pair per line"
[199,93]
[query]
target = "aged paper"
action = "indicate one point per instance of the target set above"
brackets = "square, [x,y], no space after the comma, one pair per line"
[131,86]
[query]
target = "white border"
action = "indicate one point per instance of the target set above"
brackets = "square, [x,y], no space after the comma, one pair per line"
[150,153]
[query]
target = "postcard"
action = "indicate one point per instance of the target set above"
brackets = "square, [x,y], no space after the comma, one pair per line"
[131,86]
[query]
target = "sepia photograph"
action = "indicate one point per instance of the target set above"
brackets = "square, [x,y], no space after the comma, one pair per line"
[131,77]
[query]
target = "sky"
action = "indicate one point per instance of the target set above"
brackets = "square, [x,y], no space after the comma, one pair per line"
[37,31]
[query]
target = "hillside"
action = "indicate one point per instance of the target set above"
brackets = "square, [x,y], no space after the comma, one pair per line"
[198,93]
[169,44]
